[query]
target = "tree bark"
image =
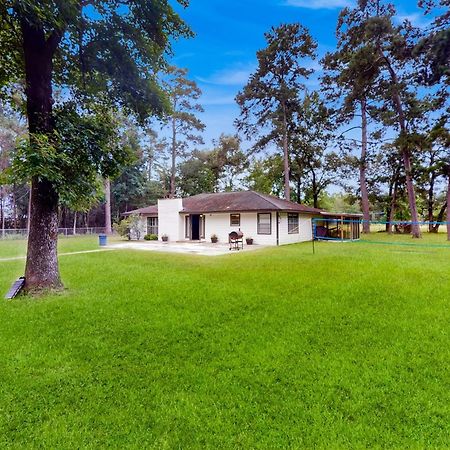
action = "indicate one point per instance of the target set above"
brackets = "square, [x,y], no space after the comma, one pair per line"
[406,154]
[14,206]
[448,204]
[392,208]
[41,271]
[362,169]
[287,189]
[108,226]
[439,219]
[74,223]
[2,212]
[174,159]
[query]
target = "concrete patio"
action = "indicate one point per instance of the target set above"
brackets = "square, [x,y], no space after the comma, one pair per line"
[193,248]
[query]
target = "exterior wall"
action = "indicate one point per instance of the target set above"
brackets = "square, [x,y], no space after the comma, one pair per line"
[170,219]
[304,229]
[172,223]
[219,224]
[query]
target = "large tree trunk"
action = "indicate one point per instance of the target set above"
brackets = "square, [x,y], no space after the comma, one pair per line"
[287,189]
[41,271]
[362,170]
[108,226]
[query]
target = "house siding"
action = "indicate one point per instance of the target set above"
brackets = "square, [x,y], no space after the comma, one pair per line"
[172,223]
[170,219]
[304,231]
[219,224]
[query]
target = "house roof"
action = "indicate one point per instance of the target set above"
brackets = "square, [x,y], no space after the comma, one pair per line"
[148,210]
[331,214]
[241,201]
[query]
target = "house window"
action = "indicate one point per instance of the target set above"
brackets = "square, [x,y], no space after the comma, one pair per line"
[264,223]
[152,225]
[292,223]
[235,220]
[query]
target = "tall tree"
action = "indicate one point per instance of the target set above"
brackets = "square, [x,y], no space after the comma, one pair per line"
[197,174]
[228,160]
[371,25]
[78,45]
[266,175]
[348,80]
[184,123]
[434,46]
[312,134]
[267,100]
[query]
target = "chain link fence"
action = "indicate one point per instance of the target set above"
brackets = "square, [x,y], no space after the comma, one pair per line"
[22,233]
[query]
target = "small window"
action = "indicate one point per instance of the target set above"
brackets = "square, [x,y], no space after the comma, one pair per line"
[292,223]
[152,225]
[264,223]
[235,220]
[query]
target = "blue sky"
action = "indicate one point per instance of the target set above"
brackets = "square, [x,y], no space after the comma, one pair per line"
[229,32]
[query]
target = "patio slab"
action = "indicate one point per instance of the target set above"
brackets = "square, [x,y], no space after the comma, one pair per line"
[193,248]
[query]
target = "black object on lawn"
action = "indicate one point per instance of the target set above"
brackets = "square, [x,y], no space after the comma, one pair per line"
[15,288]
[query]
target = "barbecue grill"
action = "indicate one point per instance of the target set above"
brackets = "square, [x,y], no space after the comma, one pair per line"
[236,240]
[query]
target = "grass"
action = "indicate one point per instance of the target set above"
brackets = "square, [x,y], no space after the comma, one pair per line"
[271,349]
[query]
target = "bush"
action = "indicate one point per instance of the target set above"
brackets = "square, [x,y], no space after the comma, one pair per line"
[128,227]
[151,237]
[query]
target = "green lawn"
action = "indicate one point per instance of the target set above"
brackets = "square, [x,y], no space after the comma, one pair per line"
[277,348]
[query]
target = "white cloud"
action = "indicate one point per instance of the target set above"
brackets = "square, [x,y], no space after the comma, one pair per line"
[230,77]
[417,19]
[320,4]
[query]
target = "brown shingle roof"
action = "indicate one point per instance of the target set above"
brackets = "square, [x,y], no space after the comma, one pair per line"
[240,202]
[153,210]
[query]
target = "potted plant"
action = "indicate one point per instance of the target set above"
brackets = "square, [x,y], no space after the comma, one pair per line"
[165,238]
[214,238]
[249,241]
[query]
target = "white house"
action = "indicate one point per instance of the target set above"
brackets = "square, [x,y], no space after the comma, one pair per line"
[267,219]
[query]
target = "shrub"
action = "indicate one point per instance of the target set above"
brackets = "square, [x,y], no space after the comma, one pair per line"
[128,227]
[151,237]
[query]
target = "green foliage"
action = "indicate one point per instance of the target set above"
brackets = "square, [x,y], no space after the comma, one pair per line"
[214,170]
[151,237]
[266,175]
[83,149]
[128,227]
[102,48]
[195,175]
[275,84]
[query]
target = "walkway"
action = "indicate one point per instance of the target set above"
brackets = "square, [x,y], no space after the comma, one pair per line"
[193,248]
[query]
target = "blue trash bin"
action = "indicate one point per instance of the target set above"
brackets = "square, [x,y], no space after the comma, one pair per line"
[102,240]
